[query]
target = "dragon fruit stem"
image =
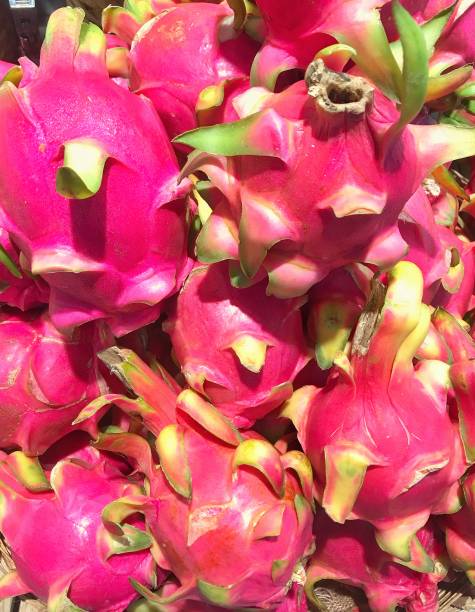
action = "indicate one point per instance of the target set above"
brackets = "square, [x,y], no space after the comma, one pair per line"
[337,92]
[138,377]
[399,317]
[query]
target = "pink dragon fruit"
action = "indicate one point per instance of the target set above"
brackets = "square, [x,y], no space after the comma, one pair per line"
[460,530]
[375,457]
[454,333]
[421,10]
[419,229]
[446,261]
[459,527]
[458,286]
[300,203]
[209,58]
[46,379]
[348,553]
[110,240]
[445,29]
[455,47]
[254,345]
[231,516]
[123,22]
[295,32]
[434,346]
[62,552]
[17,288]
[451,63]
[354,30]
[462,376]
[294,601]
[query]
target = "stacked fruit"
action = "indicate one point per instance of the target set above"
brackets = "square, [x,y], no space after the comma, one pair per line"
[237,337]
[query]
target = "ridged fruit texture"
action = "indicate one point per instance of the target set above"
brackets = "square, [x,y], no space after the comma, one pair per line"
[237,307]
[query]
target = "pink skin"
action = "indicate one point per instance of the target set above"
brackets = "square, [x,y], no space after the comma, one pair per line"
[223,550]
[413,457]
[349,554]
[225,507]
[324,237]
[460,531]
[296,32]
[209,307]
[344,285]
[46,380]
[337,416]
[187,37]
[421,11]
[317,225]
[311,374]
[458,343]
[114,41]
[298,202]
[25,292]
[294,601]
[117,254]
[66,554]
[457,302]
[456,46]
[468,216]
[426,247]
[445,258]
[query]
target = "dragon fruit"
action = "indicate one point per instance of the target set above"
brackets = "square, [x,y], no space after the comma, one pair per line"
[294,601]
[208,56]
[375,457]
[46,379]
[300,203]
[295,33]
[445,26]
[451,64]
[53,525]
[358,31]
[419,229]
[421,10]
[449,340]
[455,47]
[17,288]
[349,554]
[457,288]
[110,239]
[231,516]
[249,360]
[291,310]
[462,376]
[460,530]
[454,333]
[446,260]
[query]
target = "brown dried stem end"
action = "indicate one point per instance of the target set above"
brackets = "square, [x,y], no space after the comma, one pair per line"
[369,319]
[337,92]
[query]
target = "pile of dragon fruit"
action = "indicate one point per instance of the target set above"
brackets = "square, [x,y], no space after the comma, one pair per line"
[237,332]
